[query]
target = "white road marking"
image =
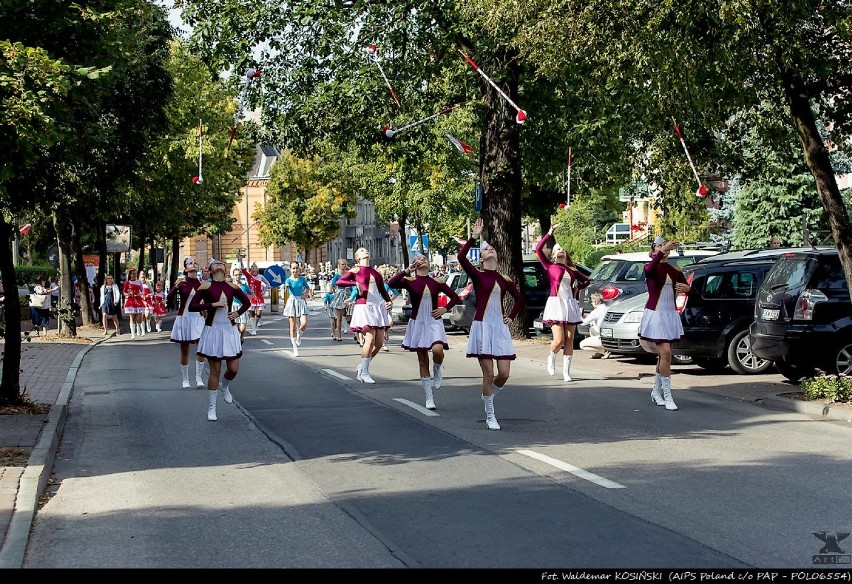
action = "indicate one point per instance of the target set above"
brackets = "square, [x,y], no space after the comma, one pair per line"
[334,373]
[267,342]
[417,407]
[576,471]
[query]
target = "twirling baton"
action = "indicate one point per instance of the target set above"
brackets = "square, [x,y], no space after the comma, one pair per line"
[375,58]
[521,117]
[702,190]
[390,133]
[251,74]
[198,179]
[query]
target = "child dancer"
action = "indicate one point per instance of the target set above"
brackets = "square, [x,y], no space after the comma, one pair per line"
[134,303]
[158,305]
[296,307]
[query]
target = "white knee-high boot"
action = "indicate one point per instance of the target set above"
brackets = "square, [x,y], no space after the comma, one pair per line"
[226,390]
[199,369]
[184,374]
[132,329]
[551,363]
[295,344]
[566,368]
[666,383]
[437,375]
[427,388]
[211,408]
[490,417]
[656,396]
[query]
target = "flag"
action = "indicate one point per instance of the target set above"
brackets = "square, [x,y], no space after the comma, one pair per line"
[26,228]
[460,146]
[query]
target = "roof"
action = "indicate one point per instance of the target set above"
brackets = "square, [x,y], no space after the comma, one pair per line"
[757,254]
[642,256]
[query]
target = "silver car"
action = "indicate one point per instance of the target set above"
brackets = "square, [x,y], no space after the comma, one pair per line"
[620,329]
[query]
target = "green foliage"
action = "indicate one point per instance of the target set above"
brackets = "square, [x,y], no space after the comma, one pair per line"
[764,209]
[28,275]
[304,203]
[833,388]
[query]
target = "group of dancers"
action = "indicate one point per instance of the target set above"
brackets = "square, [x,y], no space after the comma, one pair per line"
[201,319]
[142,303]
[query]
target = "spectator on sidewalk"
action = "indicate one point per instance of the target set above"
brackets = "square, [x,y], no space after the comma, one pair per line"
[110,303]
[40,308]
[595,319]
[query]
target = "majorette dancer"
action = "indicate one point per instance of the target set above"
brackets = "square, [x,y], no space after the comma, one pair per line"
[561,311]
[259,285]
[296,308]
[370,315]
[158,305]
[425,329]
[147,298]
[186,329]
[220,339]
[660,325]
[134,303]
[490,338]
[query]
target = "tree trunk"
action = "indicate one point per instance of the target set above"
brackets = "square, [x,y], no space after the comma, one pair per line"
[816,157]
[176,266]
[102,258]
[64,311]
[403,240]
[143,235]
[500,175]
[10,384]
[82,280]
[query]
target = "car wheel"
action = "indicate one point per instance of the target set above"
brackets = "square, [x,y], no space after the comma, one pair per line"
[793,372]
[681,360]
[843,360]
[741,359]
[710,363]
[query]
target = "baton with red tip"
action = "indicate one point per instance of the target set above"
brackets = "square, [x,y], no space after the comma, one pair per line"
[375,58]
[198,179]
[702,190]
[521,117]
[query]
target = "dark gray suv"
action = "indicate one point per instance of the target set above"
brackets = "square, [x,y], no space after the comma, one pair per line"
[803,315]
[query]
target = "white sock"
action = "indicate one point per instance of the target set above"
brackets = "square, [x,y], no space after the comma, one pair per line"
[226,383]
[199,368]
[365,365]
[293,341]
[184,371]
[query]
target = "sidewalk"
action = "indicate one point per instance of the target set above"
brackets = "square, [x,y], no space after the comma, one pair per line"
[49,370]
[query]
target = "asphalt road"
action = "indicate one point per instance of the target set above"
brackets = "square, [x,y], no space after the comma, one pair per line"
[311,469]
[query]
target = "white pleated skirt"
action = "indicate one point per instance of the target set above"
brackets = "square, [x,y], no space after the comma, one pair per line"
[424,332]
[660,326]
[187,328]
[560,310]
[296,306]
[367,316]
[221,340]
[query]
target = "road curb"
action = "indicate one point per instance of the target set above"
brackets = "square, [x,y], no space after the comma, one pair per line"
[819,410]
[38,470]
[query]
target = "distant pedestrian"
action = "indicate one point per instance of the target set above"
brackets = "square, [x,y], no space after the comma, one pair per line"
[40,308]
[425,330]
[110,303]
[158,305]
[490,339]
[242,320]
[220,340]
[338,302]
[561,311]
[660,325]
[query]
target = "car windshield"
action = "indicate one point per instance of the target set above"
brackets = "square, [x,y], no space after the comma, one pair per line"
[605,271]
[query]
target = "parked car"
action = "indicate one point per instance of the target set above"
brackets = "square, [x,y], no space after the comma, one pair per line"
[535,288]
[803,315]
[620,329]
[621,276]
[716,313]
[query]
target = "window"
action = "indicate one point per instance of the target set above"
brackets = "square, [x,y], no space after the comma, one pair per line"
[635,272]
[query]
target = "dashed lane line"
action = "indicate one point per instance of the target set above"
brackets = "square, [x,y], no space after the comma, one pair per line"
[417,407]
[576,471]
[334,373]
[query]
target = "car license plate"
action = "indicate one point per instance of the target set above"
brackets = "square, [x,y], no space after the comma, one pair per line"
[769,313]
[606,333]
[538,326]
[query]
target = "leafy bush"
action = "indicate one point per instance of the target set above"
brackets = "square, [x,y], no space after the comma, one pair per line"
[834,388]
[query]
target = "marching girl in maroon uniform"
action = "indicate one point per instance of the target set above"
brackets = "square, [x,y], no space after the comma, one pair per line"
[134,303]
[158,305]
[660,325]
[425,329]
[186,329]
[258,285]
[490,339]
[371,314]
[561,311]
[148,299]
[220,339]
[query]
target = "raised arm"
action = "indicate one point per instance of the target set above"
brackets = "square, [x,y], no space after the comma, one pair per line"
[539,248]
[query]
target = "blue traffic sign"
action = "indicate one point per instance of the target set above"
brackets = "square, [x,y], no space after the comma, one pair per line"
[418,244]
[275,274]
[477,198]
[473,255]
